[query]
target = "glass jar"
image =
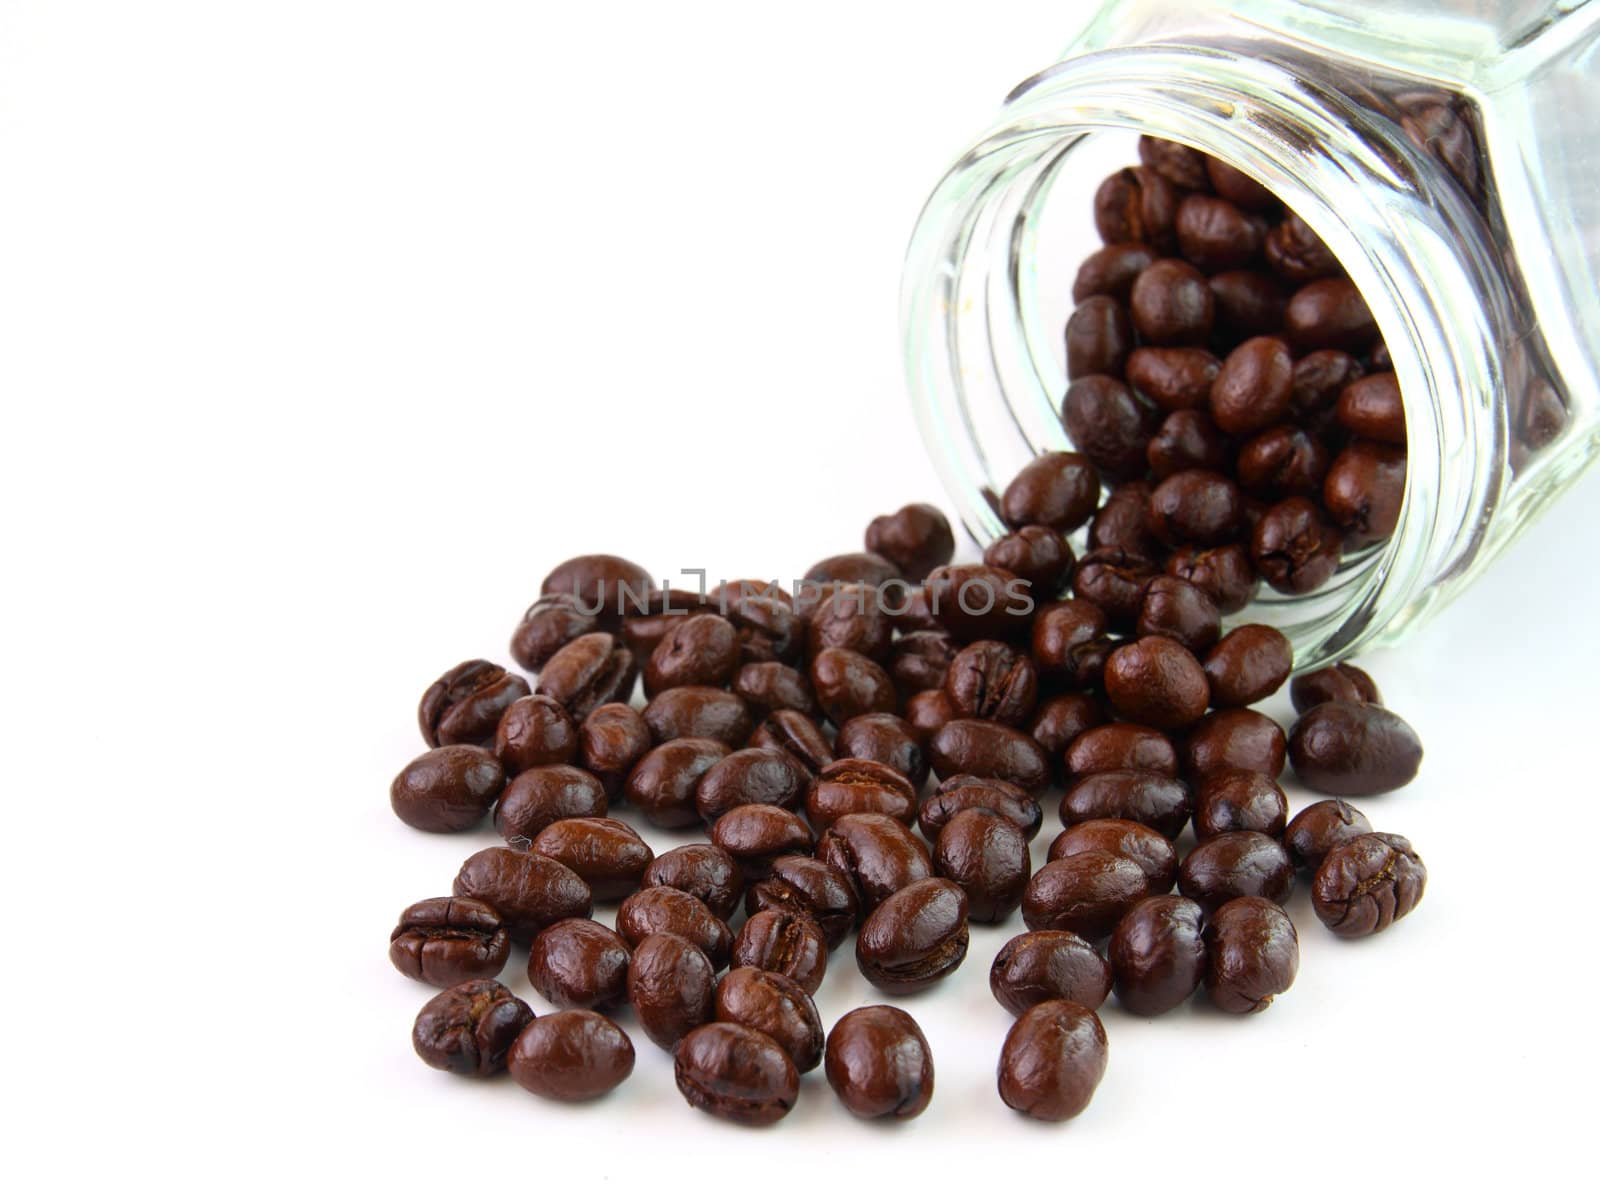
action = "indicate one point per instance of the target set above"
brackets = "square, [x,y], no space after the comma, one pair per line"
[1446,152]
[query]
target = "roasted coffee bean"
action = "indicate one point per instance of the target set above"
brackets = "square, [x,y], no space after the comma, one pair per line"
[853,786]
[1343,748]
[1157,800]
[1045,965]
[606,586]
[989,750]
[528,891]
[1225,574]
[1319,377]
[1122,523]
[1282,461]
[885,740]
[1175,378]
[1057,490]
[927,712]
[670,985]
[444,941]
[706,712]
[610,743]
[916,538]
[767,686]
[1187,440]
[801,884]
[1371,408]
[1296,253]
[697,651]
[1145,846]
[1158,954]
[751,776]
[1197,507]
[973,601]
[875,854]
[879,1064]
[1366,883]
[464,706]
[1320,828]
[1248,665]
[1040,555]
[764,620]
[736,1073]
[789,944]
[856,567]
[1330,315]
[851,617]
[540,796]
[606,853]
[1249,304]
[1215,235]
[1121,746]
[1446,134]
[777,1006]
[1157,682]
[1173,608]
[701,870]
[1086,893]
[991,681]
[1114,581]
[1062,719]
[447,789]
[571,1056]
[849,684]
[663,782]
[1172,304]
[1239,800]
[1233,739]
[1236,864]
[1061,634]
[756,834]
[1365,489]
[468,1029]
[914,938]
[578,963]
[1252,954]
[659,910]
[592,670]
[664,610]
[535,730]
[988,857]
[549,624]
[1340,683]
[1111,271]
[1185,167]
[1136,205]
[1052,1060]
[1099,337]
[918,660]
[1294,548]
[1242,191]
[787,731]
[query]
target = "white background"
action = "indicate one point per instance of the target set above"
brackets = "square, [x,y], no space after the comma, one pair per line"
[326,328]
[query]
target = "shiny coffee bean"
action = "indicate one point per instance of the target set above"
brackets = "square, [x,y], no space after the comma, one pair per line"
[697,651]
[1351,749]
[1040,555]
[1215,235]
[879,1064]
[528,891]
[851,617]
[1121,746]
[447,789]
[964,792]
[663,610]
[468,1029]
[1052,1061]
[660,910]
[1157,682]
[1319,377]
[992,681]
[1245,192]
[736,1073]
[578,963]
[973,601]
[1365,489]
[1062,719]
[1253,389]
[1056,490]
[1341,683]
[670,985]
[856,787]
[1330,315]
[768,777]
[708,713]
[1172,305]
[606,853]
[1086,893]
[1173,608]
[548,625]
[587,672]
[664,783]
[1045,965]
[989,750]
[1371,408]
[1296,253]
[444,941]
[756,834]
[764,619]
[1235,738]
[1282,461]
[701,870]
[1185,167]
[1174,378]
[1160,802]
[533,731]
[571,1056]
[1145,846]
[1252,954]
[987,856]
[803,885]
[1122,522]
[886,740]
[1225,574]
[1111,271]
[1158,954]
[606,586]
[876,855]
[927,712]
[1063,634]
[1136,205]
[1187,440]
[1099,337]
[1367,883]
[1318,829]
[788,731]
[611,741]
[856,567]
[1249,304]
[542,796]
[1248,665]
[1239,800]
[1236,864]
[1196,507]
[789,944]
[777,1006]
[849,684]
[464,705]
[916,539]
[918,660]
[1294,548]
[914,938]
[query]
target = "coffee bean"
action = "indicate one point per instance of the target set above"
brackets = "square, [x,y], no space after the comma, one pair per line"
[535,730]
[801,884]
[987,856]
[1122,523]
[571,1056]
[1253,389]
[578,963]
[1057,490]
[1282,461]
[1052,1060]
[1365,489]
[444,941]
[918,660]
[856,567]
[1121,746]
[592,670]
[777,1006]
[1366,883]
[697,651]
[964,792]
[611,741]
[1235,738]
[1173,608]
[1062,719]
[768,777]
[991,681]
[1239,189]
[879,1064]
[1145,846]
[1239,800]
[1111,271]
[1172,305]
[989,750]
[1062,634]
[1215,235]
[1040,555]
[670,985]
[927,712]
[664,610]
[1086,893]
[1344,748]
[790,944]
[756,834]
[1252,954]
[701,870]
[914,937]
[1187,440]
[1099,337]
[1197,507]
[1296,253]
[706,712]
[973,601]
[1136,205]
[786,730]
[877,855]
[447,789]
[1249,304]
[916,539]
[606,586]
[849,684]
[1236,864]
[1340,683]
[1175,378]
[1294,548]
[549,624]
[660,910]
[851,617]
[1160,802]
[663,783]
[1330,315]
[1045,965]
[606,853]
[540,796]
[1225,574]
[1178,163]
[1371,408]
[764,620]
[853,786]
[736,1073]
[1158,954]
[468,1029]
[882,739]
[1248,665]
[464,706]
[529,891]
[1318,829]
[1157,682]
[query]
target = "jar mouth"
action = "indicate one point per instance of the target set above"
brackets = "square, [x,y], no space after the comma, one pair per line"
[970,305]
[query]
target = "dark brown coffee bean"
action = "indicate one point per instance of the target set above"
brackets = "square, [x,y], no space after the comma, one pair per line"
[571,1056]
[764,619]
[1099,337]
[766,776]
[535,730]
[1446,134]
[1239,189]
[989,750]
[914,938]
[1296,253]
[988,857]
[1252,954]
[851,617]
[876,855]
[1239,800]
[706,712]
[1136,205]
[592,670]
[1175,378]
[927,712]
[1318,379]
[1196,506]
[1121,522]
[468,1029]
[1111,271]
[1121,746]
[1048,965]
[787,943]
[1157,682]
[799,736]
[1086,893]
[540,796]
[464,705]
[1248,665]
[578,963]
[973,601]
[918,660]
[1320,828]
[1366,883]
[701,870]
[664,782]
[879,1064]
[1173,608]
[1052,1060]
[1282,461]
[856,567]
[1114,581]
[1249,304]
[1040,555]
[849,684]
[444,941]
[801,884]
[1234,739]
[1145,846]
[964,792]
[606,853]
[1183,166]
[1330,315]
[882,739]
[1341,682]
[664,610]
[1294,548]
[1187,440]
[853,786]
[1062,719]
[1061,632]
[670,985]
[548,625]
[1225,574]
[1371,408]
[1365,489]
[1158,954]
[1057,490]
[606,586]
[1351,749]
[658,910]
[1253,389]
[756,834]
[916,538]
[447,789]
[777,1006]
[1159,801]
[1236,864]
[991,681]
[610,743]
[528,891]
[697,651]
[1172,305]
[1215,235]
